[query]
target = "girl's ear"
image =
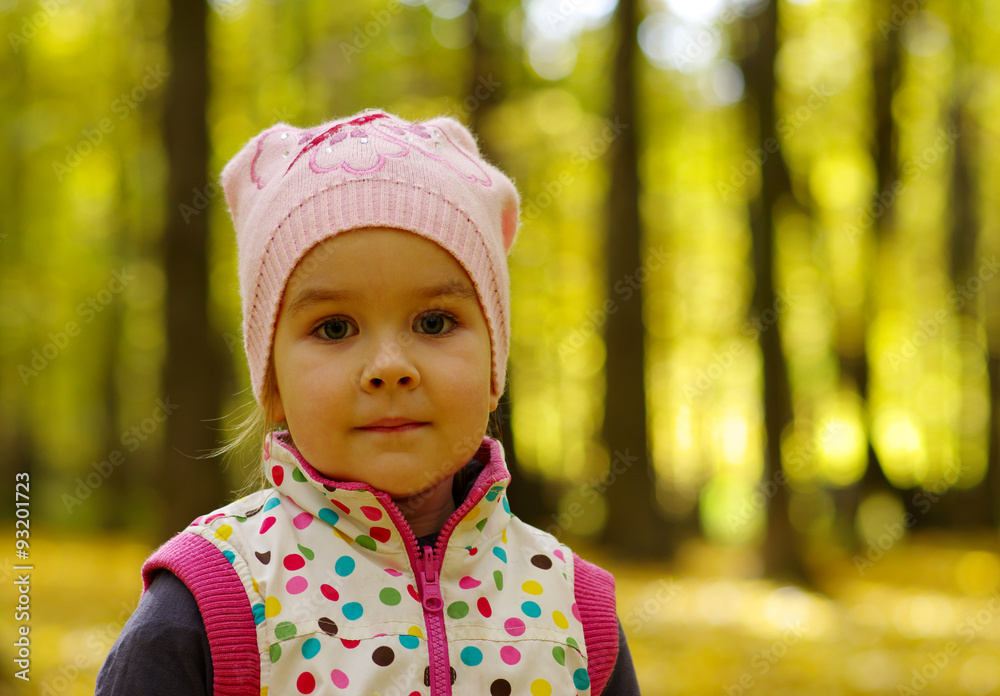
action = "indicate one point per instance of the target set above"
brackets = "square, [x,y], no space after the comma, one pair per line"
[494,398]
[272,405]
[275,410]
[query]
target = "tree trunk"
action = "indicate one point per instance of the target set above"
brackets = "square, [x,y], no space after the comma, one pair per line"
[634,527]
[991,485]
[975,507]
[113,515]
[191,381]
[781,556]
[854,362]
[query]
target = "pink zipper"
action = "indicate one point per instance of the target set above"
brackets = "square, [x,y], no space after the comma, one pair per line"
[428,581]
[426,562]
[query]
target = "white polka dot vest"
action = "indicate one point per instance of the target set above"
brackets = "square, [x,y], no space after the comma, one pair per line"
[320,587]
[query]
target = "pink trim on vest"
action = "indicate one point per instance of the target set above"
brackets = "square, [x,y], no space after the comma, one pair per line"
[594,589]
[224,605]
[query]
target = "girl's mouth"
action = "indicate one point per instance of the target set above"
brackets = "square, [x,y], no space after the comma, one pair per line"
[392,425]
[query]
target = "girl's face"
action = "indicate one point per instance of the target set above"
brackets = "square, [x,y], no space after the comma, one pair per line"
[382,360]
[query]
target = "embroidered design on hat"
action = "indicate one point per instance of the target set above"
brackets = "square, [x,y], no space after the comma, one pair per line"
[359,147]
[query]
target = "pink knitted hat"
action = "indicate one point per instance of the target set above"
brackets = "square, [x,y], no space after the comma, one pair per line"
[289,189]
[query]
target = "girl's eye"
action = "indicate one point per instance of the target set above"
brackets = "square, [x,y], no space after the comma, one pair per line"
[335,329]
[435,323]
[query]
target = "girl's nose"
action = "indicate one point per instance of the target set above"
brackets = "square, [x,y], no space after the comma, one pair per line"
[390,368]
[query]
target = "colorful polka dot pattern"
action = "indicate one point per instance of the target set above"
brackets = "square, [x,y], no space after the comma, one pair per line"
[337,607]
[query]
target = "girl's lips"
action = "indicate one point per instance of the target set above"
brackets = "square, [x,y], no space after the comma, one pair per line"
[392,425]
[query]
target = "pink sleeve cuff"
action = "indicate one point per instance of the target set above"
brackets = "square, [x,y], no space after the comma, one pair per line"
[224,606]
[595,597]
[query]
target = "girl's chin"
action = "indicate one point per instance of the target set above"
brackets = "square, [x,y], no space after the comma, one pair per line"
[419,495]
[408,495]
[395,477]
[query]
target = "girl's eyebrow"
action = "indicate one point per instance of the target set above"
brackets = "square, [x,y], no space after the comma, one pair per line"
[311,296]
[453,288]
[456,288]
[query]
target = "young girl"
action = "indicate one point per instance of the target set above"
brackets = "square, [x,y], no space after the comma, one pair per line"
[382,557]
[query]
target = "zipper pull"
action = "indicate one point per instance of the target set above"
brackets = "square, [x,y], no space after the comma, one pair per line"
[430,582]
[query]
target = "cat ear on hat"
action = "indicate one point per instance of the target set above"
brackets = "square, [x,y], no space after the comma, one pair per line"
[235,177]
[510,221]
[264,157]
[457,133]
[461,137]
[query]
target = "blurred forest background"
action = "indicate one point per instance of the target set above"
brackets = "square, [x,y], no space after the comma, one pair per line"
[756,327]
